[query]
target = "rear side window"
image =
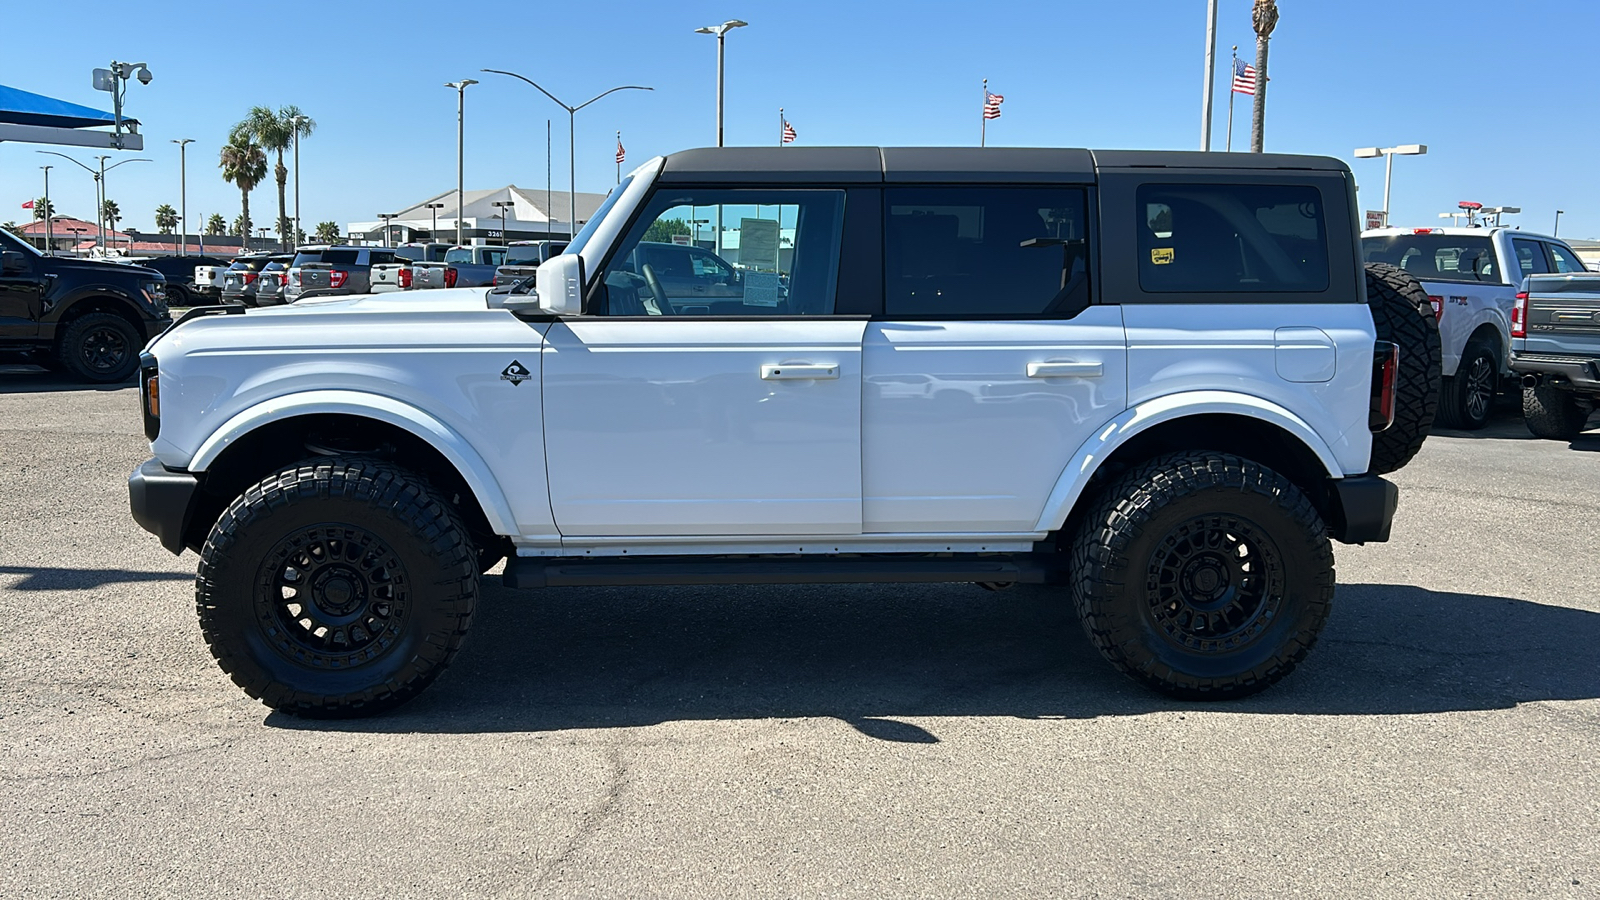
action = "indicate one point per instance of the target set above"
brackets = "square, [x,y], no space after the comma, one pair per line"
[1231,238]
[1565,260]
[976,252]
[1530,257]
[1436,257]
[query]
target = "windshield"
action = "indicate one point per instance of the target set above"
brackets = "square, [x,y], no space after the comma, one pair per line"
[599,216]
[13,242]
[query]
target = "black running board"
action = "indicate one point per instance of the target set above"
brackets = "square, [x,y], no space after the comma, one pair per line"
[536,572]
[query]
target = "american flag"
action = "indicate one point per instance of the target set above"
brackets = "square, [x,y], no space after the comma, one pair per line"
[621,153]
[991,105]
[1244,78]
[788,132]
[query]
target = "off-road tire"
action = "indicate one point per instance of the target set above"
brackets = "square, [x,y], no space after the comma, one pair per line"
[1553,413]
[100,348]
[1466,398]
[1164,622]
[383,564]
[1402,314]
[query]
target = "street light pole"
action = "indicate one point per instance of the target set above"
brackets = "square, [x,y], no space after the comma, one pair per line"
[50,229]
[183,195]
[433,231]
[295,121]
[572,142]
[503,205]
[721,32]
[1389,153]
[1554,232]
[461,144]
[1211,75]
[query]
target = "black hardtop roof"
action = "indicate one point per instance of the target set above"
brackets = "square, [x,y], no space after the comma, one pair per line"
[876,165]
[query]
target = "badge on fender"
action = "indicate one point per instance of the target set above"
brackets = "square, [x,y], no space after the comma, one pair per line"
[516,373]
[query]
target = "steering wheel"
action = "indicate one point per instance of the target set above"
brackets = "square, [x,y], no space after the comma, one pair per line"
[656,290]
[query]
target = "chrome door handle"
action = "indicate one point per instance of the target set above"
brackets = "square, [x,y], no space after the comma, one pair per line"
[1065,369]
[798,372]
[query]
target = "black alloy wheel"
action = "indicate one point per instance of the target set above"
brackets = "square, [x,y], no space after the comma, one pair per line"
[332,596]
[1211,586]
[101,348]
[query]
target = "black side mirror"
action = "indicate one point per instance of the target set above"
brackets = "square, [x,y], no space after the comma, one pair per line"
[12,261]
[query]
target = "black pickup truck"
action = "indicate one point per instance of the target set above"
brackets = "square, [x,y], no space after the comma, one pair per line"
[89,319]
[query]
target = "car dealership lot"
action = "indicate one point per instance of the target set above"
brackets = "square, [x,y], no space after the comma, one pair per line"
[855,740]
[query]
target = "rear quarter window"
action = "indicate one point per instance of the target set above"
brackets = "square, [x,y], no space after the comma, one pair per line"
[1231,238]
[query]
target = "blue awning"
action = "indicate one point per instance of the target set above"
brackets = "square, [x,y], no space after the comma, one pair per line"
[19,107]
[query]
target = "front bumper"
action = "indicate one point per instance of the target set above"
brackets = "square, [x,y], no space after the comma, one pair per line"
[1363,508]
[162,500]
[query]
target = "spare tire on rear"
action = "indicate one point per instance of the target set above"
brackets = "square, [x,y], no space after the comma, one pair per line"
[1403,315]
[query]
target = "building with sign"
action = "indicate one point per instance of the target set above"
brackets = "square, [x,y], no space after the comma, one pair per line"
[509,213]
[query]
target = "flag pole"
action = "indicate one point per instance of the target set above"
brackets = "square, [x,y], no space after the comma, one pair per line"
[619,157]
[983,127]
[780,128]
[1233,72]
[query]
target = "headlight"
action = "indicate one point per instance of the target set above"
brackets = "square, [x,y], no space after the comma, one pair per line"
[155,294]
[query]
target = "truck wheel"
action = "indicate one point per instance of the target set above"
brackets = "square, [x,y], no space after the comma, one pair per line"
[1402,314]
[1553,413]
[1465,398]
[337,588]
[1203,575]
[100,348]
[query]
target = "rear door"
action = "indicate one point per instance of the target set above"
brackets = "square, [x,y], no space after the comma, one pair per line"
[989,367]
[660,422]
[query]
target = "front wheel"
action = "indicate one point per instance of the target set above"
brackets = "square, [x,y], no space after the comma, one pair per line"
[100,348]
[337,588]
[1203,575]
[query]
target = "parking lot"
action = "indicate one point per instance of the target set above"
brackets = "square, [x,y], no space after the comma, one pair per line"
[810,741]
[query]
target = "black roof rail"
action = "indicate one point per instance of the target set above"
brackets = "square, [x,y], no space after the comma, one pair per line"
[225,309]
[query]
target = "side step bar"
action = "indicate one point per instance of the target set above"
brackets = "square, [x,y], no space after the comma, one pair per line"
[537,572]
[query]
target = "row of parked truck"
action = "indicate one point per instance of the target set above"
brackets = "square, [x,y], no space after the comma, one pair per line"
[270,279]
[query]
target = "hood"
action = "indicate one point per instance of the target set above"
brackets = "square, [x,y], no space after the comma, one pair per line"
[101,268]
[445,300]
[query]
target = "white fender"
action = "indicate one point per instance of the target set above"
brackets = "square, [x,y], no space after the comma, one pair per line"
[369,406]
[1150,413]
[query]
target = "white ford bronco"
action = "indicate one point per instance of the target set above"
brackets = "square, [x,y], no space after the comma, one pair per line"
[1161,381]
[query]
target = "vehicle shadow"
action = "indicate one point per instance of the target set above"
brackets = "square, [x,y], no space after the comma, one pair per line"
[872,655]
[45,578]
[21,378]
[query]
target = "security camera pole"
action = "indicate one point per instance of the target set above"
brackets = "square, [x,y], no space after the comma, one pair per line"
[1265,18]
[115,82]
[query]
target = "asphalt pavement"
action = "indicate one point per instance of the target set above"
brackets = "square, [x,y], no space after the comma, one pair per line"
[855,741]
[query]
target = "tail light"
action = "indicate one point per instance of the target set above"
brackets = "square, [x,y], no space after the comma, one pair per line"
[449,278]
[404,277]
[1519,316]
[337,278]
[250,277]
[1385,381]
[1437,302]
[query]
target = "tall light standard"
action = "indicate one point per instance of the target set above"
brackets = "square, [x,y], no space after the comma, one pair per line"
[1554,232]
[1211,75]
[433,233]
[99,184]
[572,143]
[183,196]
[721,32]
[461,131]
[50,228]
[105,193]
[387,219]
[296,122]
[503,205]
[1389,153]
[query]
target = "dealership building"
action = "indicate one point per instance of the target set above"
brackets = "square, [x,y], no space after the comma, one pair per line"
[494,216]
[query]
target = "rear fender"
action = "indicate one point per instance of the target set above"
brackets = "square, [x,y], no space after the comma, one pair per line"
[460,454]
[1138,419]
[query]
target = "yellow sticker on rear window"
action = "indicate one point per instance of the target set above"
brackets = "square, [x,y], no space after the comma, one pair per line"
[1161,256]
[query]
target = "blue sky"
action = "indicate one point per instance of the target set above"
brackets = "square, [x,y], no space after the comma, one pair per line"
[1502,93]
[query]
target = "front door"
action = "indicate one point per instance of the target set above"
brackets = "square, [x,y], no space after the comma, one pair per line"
[664,419]
[21,295]
[988,369]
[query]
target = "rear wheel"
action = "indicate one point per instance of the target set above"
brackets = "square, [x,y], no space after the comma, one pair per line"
[336,588]
[1553,413]
[100,348]
[1203,575]
[1465,397]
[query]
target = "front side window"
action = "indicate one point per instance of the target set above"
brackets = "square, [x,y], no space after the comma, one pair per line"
[1566,261]
[980,252]
[1530,257]
[1231,238]
[728,253]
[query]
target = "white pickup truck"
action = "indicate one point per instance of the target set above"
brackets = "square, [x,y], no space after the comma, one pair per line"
[398,275]
[1472,276]
[461,267]
[1157,388]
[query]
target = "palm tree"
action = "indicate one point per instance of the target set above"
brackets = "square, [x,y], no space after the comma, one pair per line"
[327,233]
[166,218]
[42,208]
[216,224]
[275,132]
[243,165]
[110,212]
[241,227]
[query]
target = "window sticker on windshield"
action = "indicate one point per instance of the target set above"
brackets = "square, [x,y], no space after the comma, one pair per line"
[761,288]
[1161,256]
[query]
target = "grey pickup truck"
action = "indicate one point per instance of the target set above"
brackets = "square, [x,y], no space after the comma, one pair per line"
[1555,347]
[333,270]
[462,267]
